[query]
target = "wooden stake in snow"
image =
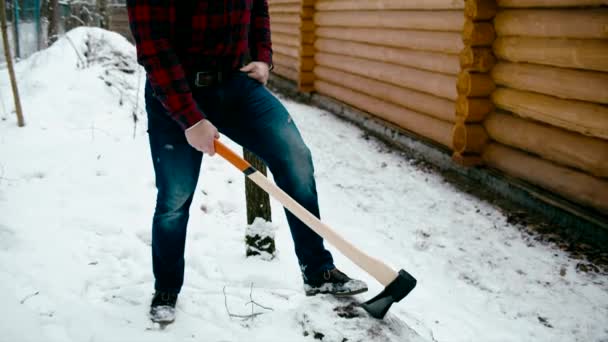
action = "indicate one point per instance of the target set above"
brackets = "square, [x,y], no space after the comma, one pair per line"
[9,63]
[258,241]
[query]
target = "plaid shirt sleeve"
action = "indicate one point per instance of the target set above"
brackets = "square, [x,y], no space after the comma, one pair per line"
[261,47]
[151,23]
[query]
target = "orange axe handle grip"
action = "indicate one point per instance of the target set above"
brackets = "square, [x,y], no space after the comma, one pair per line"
[231,156]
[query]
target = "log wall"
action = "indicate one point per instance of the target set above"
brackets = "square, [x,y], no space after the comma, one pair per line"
[550,126]
[518,85]
[293,36]
[397,60]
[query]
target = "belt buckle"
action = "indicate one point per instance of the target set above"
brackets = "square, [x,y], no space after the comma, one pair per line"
[204,79]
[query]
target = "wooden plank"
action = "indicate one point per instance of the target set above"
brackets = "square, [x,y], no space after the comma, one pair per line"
[429,82]
[431,61]
[563,83]
[415,20]
[555,144]
[356,5]
[577,116]
[446,42]
[564,23]
[589,54]
[424,125]
[574,185]
[417,101]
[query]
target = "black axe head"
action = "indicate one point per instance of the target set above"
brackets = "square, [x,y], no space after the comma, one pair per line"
[393,293]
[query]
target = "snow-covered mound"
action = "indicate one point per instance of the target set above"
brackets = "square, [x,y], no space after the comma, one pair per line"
[77,195]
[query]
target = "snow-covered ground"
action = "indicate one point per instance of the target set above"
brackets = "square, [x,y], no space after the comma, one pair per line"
[77,195]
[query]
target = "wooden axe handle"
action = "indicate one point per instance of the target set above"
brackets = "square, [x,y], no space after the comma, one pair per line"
[376,268]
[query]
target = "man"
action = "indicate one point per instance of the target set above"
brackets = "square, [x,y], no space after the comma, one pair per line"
[195,54]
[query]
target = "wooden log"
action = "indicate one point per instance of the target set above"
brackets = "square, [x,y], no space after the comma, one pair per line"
[431,61]
[565,23]
[551,143]
[590,54]
[291,51]
[285,61]
[414,20]
[446,42]
[307,25]
[550,3]
[473,84]
[307,50]
[285,39]
[357,5]
[280,2]
[477,59]
[473,109]
[301,2]
[563,83]
[577,116]
[286,72]
[478,10]
[285,28]
[286,18]
[423,125]
[285,8]
[429,82]
[307,64]
[420,102]
[306,78]
[468,138]
[478,33]
[573,185]
[467,160]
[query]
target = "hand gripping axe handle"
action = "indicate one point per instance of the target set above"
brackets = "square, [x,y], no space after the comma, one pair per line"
[397,285]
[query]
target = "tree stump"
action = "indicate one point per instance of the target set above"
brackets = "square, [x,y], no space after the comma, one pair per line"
[259,237]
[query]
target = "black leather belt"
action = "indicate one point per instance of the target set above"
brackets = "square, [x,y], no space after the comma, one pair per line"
[203,79]
[211,77]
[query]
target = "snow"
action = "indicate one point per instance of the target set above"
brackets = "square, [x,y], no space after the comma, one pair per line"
[77,196]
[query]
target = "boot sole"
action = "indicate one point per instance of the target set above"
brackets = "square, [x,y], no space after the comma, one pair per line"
[336,294]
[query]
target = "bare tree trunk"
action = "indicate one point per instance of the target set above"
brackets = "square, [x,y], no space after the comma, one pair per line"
[53,18]
[104,16]
[258,205]
[9,63]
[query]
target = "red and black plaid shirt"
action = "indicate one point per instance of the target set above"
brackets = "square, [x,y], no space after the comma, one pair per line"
[176,38]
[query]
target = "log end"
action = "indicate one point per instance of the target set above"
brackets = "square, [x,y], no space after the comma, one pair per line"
[478,33]
[480,9]
[468,138]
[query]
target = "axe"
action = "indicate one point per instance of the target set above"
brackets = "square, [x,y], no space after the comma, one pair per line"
[397,285]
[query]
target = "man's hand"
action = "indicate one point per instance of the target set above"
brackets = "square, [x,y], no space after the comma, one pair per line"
[202,135]
[258,71]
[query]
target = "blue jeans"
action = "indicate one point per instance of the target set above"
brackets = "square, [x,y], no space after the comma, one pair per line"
[245,111]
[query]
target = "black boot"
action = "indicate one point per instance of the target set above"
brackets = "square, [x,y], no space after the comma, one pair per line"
[162,309]
[333,282]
